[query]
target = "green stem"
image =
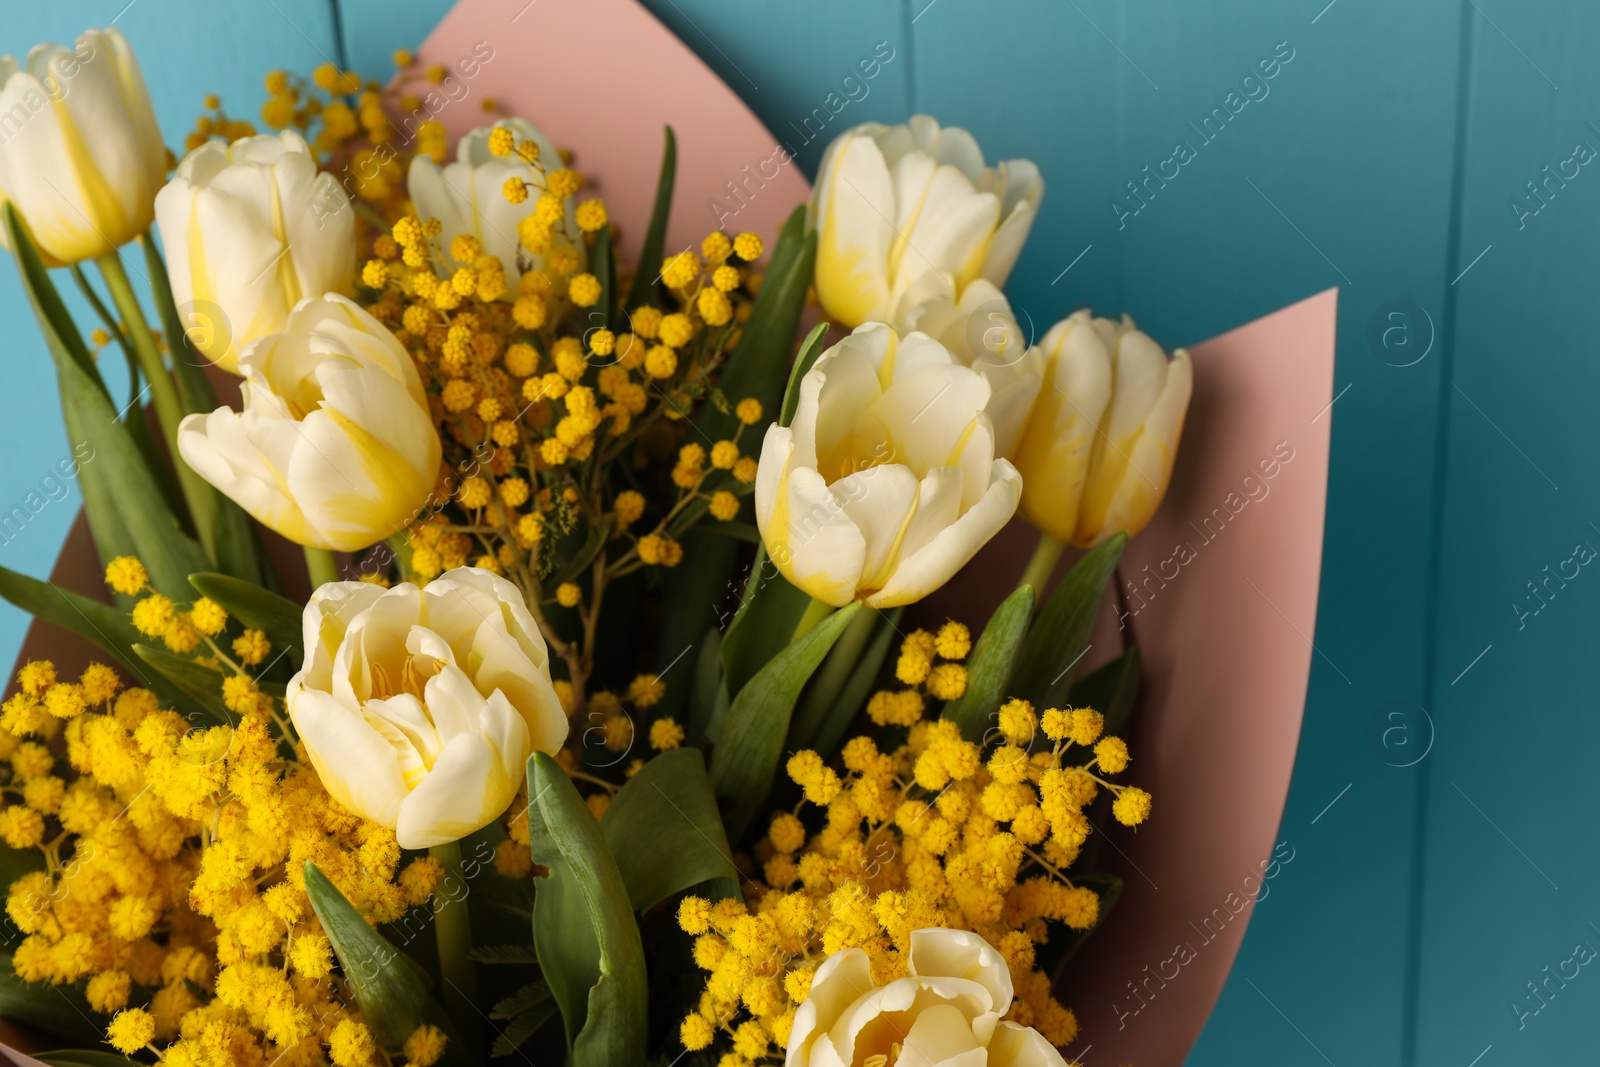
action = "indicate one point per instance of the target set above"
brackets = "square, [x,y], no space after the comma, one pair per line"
[1043,564]
[452,928]
[830,681]
[816,611]
[169,409]
[321,566]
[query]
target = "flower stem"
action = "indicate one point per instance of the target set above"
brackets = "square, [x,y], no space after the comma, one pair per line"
[321,566]
[1043,564]
[831,679]
[452,928]
[169,409]
[815,613]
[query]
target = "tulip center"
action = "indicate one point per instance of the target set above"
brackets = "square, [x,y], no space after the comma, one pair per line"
[412,681]
[883,1059]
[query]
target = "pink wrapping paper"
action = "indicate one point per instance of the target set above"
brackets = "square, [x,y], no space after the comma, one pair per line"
[1224,624]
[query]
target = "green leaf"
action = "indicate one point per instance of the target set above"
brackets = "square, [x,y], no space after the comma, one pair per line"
[60,1010]
[821,697]
[603,265]
[261,609]
[853,697]
[747,754]
[167,552]
[527,998]
[1059,638]
[1064,940]
[738,531]
[505,954]
[665,832]
[765,621]
[106,626]
[989,668]
[590,930]
[521,1029]
[390,988]
[707,681]
[755,367]
[226,532]
[644,289]
[580,560]
[200,683]
[810,349]
[1111,690]
[82,1057]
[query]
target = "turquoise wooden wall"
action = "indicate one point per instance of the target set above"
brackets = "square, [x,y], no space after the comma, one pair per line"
[1442,810]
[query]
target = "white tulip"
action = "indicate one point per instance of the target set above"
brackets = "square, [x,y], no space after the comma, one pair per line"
[419,707]
[948,1009]
[468,196]
[892,203]
[251,229]
[80,154]
[886,481]
[335,447]
[980,330]
[1098,450]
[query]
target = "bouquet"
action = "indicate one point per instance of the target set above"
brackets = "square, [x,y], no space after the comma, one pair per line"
[503,783]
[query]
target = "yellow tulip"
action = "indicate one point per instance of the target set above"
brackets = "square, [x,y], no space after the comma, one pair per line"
[251,229]
[892,203]
[1098,449]
[886,481]
[80,154]
[947,1009]
[419,707]
[335,448]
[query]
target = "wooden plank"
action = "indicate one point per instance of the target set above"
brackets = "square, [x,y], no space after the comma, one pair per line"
[186,49]
[1298,191]
[1510,872]
[797,65]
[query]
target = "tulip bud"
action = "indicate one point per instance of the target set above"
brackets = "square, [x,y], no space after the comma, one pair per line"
[1098,450]
[251,229]
[80,154]
[886,482]
[894,202]
[468,196]
[335,447]
[419,707]
[981,332]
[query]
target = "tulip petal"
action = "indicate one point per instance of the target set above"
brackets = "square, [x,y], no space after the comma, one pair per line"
[962,954]
[1134,470]
[356,764]
[949,550]
[855,203]
[807,534]
[947,227]
[248,460]
[929,413]
[941,1034]
[838,982]
[404,723]
[1022,1046]
[842,384]
[880,501]
[467,789]
[1058,443]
